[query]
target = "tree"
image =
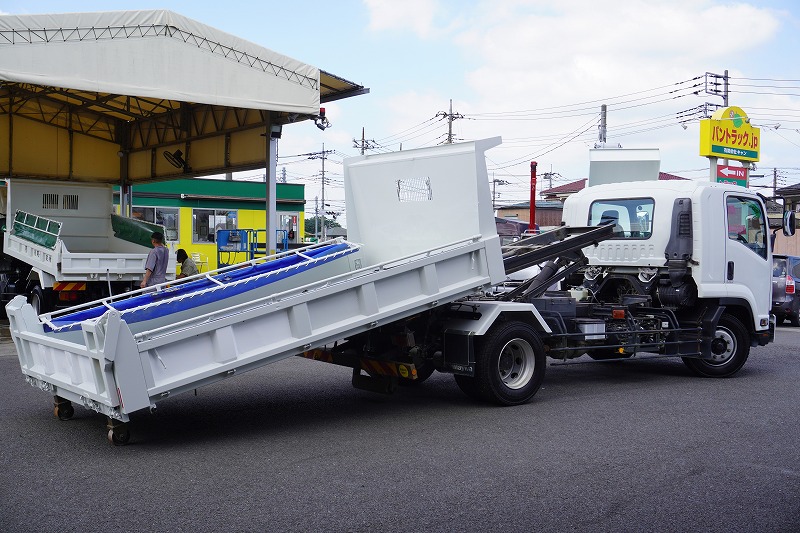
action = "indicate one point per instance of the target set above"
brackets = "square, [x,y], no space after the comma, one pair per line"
[316,222]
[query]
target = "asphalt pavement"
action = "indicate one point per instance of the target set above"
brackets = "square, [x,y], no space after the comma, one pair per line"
[634,446]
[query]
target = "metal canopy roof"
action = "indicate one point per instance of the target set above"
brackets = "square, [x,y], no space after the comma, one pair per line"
[108,97]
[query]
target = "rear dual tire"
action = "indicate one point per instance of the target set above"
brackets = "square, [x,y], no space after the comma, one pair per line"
[510,365]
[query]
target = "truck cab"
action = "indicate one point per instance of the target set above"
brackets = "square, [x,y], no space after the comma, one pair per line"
[680,243]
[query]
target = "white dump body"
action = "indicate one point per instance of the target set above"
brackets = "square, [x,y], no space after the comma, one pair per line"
[85,248]
[116,372]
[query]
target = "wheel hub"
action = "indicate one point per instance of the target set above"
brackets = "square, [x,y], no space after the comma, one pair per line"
[723,346]
[516,363]
[718,346]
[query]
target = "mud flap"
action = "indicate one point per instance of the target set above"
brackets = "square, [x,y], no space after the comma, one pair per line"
[709,329]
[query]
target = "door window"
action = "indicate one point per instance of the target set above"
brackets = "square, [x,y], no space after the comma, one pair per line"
[747,224]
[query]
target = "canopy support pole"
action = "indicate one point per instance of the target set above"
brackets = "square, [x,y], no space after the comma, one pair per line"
[270,180]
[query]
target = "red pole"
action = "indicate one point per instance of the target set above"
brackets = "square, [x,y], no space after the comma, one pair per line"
[532,223]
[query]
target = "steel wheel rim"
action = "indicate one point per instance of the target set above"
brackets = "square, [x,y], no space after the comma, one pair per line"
[725,335]
[516,363]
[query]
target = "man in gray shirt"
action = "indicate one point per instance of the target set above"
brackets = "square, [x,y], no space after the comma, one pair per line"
[156,264]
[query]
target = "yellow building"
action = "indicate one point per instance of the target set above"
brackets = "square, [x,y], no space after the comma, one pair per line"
[192,211]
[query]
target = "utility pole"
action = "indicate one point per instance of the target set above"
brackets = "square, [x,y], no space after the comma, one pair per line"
[316,218]
[321,155]
[712,87]
[712,83]
[777,179]
[366,144]
[601,134]
[283,175]
[323,192]
[450,116]
[725,89]
[549,177]
[495,183]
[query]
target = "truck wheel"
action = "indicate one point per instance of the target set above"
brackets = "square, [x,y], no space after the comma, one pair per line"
[3,290]
[729,348]
[37,300]
[794,319]
[510,364]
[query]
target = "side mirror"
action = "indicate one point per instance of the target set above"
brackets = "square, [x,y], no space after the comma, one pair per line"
[788,223]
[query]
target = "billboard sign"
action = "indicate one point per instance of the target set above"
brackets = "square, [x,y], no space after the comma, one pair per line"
[728,134]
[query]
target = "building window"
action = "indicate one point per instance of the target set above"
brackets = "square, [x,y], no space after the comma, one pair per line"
[166,216]
[206,223]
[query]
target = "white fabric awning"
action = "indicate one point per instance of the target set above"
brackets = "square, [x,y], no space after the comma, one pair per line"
[153,54]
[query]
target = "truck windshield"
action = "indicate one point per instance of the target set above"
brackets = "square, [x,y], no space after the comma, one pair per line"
[632,217]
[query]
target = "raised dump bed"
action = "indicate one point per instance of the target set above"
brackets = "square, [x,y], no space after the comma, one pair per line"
[425,221]
[172,302]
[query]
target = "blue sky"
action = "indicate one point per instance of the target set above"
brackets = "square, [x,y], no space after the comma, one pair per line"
[532,71]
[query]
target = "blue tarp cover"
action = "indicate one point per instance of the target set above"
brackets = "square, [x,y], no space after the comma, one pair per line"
[202,291]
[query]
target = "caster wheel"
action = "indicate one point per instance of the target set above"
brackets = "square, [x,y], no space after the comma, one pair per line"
[64,412]
[119,438]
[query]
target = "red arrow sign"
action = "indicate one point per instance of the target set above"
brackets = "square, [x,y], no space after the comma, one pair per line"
[739,173]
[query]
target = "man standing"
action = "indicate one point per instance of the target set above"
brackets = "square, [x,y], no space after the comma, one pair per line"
[156,264]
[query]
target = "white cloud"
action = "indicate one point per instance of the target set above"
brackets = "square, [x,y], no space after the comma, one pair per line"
[541,54]
[606,48]
[413,15]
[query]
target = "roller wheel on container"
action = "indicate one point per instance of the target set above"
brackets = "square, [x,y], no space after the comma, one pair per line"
[64,412]
[119,437]
[729,349]
[510,363]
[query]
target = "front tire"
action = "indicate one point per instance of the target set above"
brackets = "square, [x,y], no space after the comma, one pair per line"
[729,350]
[510,364]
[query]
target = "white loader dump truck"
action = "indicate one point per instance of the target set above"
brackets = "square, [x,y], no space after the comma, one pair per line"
[425,287]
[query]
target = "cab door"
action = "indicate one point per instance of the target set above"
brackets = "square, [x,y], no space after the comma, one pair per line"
[747,258]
